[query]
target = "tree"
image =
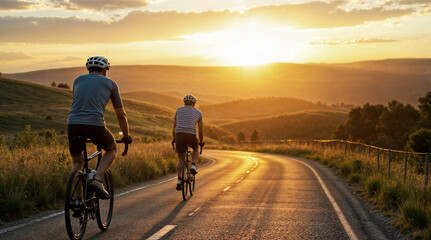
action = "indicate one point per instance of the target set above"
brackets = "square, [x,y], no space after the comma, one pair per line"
[241,137]
[254,136]
[53,84]
[420,141]
[398,122]
[361,124]
[425,105]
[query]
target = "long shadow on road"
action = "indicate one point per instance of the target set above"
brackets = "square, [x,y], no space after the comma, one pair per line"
[166,220]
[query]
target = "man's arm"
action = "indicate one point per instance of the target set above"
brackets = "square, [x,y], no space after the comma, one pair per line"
[201,131]
[173,129]
[122,121]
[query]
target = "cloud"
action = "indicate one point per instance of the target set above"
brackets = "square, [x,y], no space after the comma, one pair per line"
[14,5]
[413,1]
[13,56]
[348,42]
[100,4]
[147,26]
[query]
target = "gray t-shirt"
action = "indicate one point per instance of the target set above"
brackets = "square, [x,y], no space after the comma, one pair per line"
[91,93]
[187,117]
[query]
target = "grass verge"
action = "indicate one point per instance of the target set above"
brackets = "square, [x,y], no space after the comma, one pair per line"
[34,179]
[407,202]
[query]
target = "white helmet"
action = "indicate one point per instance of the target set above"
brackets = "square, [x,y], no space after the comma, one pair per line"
[97,61]
[189,98]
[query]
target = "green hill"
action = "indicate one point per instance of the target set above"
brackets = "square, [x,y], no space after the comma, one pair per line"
[305,125]
[43,107]
[357,83]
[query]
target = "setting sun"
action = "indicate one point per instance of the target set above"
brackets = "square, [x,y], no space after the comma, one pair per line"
[248,47]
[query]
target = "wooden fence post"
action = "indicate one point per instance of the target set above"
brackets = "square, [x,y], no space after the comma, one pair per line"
[427,160]
[389,162]
[378,159]
[405,167]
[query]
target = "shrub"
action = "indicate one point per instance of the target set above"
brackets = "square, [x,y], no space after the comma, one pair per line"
[25,139]
[393,194]
[63,85]
[2,141]
[414,213]
[354,178]
[50,136]
[357,166]
[373,185]
[12,204]
[345,169]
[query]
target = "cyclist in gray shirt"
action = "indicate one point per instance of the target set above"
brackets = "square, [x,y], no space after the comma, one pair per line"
[91,93]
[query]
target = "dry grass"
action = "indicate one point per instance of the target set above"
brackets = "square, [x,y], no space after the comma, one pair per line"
[34,179]
[409,201]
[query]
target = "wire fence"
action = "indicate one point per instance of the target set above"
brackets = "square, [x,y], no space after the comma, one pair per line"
[384,157]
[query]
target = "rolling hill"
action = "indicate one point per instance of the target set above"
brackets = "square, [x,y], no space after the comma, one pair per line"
[305,125]
[243,109]
[160,99]
[374,81]
[44,107]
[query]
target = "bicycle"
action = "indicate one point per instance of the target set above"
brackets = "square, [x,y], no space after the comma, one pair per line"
[81,204]
[188,179]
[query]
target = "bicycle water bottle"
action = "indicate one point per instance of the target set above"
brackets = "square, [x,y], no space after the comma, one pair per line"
[92,174]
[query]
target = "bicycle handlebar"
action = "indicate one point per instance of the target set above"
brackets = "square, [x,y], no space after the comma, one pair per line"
[126,146]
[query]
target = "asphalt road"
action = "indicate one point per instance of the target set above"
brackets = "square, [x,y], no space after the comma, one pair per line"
[238,195]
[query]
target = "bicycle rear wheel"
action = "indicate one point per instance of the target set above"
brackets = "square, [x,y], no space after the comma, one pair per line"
[74,209]
[184,181]
[105,206]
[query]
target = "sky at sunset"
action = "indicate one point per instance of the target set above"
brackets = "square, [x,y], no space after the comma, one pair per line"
[40,34]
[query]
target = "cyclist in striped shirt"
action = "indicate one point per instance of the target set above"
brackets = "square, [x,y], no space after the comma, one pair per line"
[184,134]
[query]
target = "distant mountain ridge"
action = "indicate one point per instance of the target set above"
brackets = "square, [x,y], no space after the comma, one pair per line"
[372,81]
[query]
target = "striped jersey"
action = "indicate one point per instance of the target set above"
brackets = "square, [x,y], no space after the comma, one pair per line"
[187,117]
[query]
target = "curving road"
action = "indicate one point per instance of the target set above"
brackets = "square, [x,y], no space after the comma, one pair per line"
[239,195]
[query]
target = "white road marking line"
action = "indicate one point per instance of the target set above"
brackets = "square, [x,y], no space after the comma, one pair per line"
[247,172]
[143,187]
[195,211]
[2,231]
[343,220]
[31,222]
[224,190]
[162,232]
[239,180]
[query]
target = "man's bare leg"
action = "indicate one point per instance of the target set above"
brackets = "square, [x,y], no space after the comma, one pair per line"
[105,163]
[181,157]
[195,155]
[78,163]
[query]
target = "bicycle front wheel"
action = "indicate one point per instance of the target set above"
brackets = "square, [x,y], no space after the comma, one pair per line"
[184,177]
[74,209]
[105,206]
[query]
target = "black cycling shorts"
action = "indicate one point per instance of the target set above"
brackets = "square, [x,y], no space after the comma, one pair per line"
[99,135]
[184,140]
